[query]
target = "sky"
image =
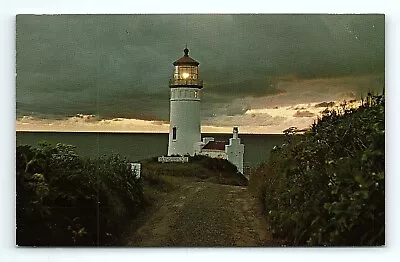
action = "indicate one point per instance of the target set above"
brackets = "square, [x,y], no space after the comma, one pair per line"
[263,73]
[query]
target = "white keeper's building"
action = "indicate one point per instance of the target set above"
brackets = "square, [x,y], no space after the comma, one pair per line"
[184,131]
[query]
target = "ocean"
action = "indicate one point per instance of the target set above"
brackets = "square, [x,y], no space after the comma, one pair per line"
[139,146]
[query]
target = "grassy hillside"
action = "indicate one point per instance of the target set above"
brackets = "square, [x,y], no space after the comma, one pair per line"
[199,167]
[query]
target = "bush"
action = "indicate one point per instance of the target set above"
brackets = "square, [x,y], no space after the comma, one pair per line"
[327,186]
[63,199]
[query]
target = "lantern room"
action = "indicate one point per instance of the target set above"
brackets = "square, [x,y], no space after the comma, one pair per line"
[186,72]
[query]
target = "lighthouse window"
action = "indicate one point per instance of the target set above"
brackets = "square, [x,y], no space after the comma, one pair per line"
[174,133]
[185,72]
[196,94]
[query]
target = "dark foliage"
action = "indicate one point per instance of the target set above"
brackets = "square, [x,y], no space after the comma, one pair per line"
[327,186]
[63,199]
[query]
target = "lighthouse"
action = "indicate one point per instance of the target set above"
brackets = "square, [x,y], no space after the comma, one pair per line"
[184,119]
[185,86]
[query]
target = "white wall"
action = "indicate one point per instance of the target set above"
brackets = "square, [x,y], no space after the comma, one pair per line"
[235,152]
[185,116]
[214,153]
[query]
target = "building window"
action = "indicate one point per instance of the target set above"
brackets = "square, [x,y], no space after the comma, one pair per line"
[196,94]
[174,133]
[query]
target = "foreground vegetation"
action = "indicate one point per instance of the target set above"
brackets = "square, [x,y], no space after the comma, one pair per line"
[66,200]
[327,186]
[199,167]
[63,199]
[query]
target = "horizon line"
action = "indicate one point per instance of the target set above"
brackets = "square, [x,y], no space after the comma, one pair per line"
[133,132]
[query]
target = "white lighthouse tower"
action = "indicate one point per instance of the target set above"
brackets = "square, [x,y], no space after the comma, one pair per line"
[184,131]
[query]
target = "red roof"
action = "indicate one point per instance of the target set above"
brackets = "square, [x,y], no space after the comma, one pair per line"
[216,145]
[186,59]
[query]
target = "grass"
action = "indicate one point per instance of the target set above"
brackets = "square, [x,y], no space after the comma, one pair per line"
[202,168]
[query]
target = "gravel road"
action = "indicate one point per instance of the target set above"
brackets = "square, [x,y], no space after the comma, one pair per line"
[202,214]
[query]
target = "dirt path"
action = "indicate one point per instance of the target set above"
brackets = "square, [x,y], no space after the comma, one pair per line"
[201,214]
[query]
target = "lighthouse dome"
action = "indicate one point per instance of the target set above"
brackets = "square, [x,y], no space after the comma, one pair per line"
[186,59]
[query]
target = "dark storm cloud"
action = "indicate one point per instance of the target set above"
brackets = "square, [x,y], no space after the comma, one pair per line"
[119,65]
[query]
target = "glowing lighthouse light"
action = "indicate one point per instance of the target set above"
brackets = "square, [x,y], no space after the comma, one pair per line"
[185,75]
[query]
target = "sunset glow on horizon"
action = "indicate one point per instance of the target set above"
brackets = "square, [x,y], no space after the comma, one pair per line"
[300,116]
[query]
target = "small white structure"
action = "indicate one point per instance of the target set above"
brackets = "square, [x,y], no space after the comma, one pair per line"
[173,159]
[215,149]
[135,168]
[235,150]
[232,151]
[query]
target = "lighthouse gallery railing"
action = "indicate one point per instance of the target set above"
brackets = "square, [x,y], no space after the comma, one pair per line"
[185,82]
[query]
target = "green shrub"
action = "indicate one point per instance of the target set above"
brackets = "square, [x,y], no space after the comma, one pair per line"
[327,187]
[63,199]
